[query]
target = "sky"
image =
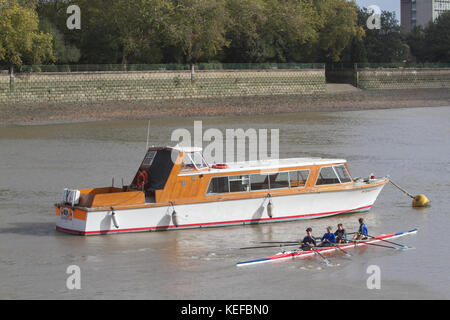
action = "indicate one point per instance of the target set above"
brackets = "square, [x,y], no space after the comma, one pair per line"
[388,5]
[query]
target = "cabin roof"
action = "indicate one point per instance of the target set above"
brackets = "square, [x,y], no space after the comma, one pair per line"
[186,149]
[270,164]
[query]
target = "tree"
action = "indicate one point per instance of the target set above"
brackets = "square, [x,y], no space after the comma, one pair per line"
[20,40]
[385,44]
[290,30]
[197,27]
[64,52]
[416,40]
[382,45]
[243,31]
[437,35]
[338,27]
[138,24]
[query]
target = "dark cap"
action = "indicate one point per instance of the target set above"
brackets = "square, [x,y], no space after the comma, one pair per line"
[309,230]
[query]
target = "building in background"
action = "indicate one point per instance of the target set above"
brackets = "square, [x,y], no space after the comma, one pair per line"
[420,12]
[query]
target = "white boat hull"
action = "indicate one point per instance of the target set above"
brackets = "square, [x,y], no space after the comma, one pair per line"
[223,213]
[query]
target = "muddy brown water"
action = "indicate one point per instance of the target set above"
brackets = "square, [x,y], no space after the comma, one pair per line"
[37,162]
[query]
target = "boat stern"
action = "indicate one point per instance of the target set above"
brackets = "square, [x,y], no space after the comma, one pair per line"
[92,211]
[71,220]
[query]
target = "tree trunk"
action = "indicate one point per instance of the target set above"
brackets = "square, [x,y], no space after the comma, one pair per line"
[192,72]
[124,60]
[11,78]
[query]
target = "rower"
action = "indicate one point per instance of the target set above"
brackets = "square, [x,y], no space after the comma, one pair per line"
[362,233]
[308,241]
[341,235]
[328,238]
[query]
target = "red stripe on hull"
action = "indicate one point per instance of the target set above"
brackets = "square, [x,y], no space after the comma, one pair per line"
[220,223]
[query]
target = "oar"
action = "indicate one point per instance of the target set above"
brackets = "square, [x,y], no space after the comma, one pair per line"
[343,251]
[320,255]
[278,246]
[377,245]
[397,244]
[298,241]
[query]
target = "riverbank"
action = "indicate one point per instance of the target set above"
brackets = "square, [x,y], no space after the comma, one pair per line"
[334,99]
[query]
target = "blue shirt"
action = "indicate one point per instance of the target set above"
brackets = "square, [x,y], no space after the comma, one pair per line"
[330,237]
[363,230]
[309,240]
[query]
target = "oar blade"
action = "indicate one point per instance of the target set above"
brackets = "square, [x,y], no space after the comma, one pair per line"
[405,248]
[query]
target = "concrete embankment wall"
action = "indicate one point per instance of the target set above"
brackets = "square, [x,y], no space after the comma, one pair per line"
[403,78]
[156,85]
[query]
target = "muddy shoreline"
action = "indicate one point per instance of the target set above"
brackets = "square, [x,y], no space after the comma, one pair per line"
[333,100]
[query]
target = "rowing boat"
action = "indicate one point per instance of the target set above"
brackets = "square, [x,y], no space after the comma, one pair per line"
[293,254]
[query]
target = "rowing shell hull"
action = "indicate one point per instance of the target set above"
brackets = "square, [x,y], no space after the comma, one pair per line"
[289,255]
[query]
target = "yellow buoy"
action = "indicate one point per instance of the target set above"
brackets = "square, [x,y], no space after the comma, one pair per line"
[420,201]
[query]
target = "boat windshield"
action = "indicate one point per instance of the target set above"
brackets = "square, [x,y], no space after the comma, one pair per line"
[194,160]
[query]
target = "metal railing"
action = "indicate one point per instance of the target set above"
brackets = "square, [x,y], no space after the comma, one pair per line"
[404,65]
[161,67]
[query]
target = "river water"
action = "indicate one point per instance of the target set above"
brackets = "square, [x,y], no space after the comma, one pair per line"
[37,162]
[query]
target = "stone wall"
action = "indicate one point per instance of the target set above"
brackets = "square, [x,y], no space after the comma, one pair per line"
[157,85]
[403,78]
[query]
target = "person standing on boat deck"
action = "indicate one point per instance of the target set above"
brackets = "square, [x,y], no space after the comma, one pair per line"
[328,238]
[341,235]
[362,233]
[308,240]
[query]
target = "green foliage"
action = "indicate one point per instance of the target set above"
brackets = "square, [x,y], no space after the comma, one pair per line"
[64,52]
[338,27]
[231,31]
[386,44]
[290,30]
[197,27]
[383,45]
[432,43]
[20,40]
[138,24]
[244,31]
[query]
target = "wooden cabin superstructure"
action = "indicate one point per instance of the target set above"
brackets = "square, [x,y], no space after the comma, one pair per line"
[175,188]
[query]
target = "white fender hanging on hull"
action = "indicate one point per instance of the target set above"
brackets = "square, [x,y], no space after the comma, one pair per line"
[114,219]
[175,218]
[270,207]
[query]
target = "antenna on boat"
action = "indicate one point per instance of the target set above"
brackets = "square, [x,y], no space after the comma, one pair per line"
[148,135]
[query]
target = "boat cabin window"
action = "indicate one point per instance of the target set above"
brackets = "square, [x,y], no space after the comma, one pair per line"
[239,183]
[219,185]
[193,161]
[342,173]
[298,178]
[279,180]
[259,182]
[154,170]
[256,182]
[327,175]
